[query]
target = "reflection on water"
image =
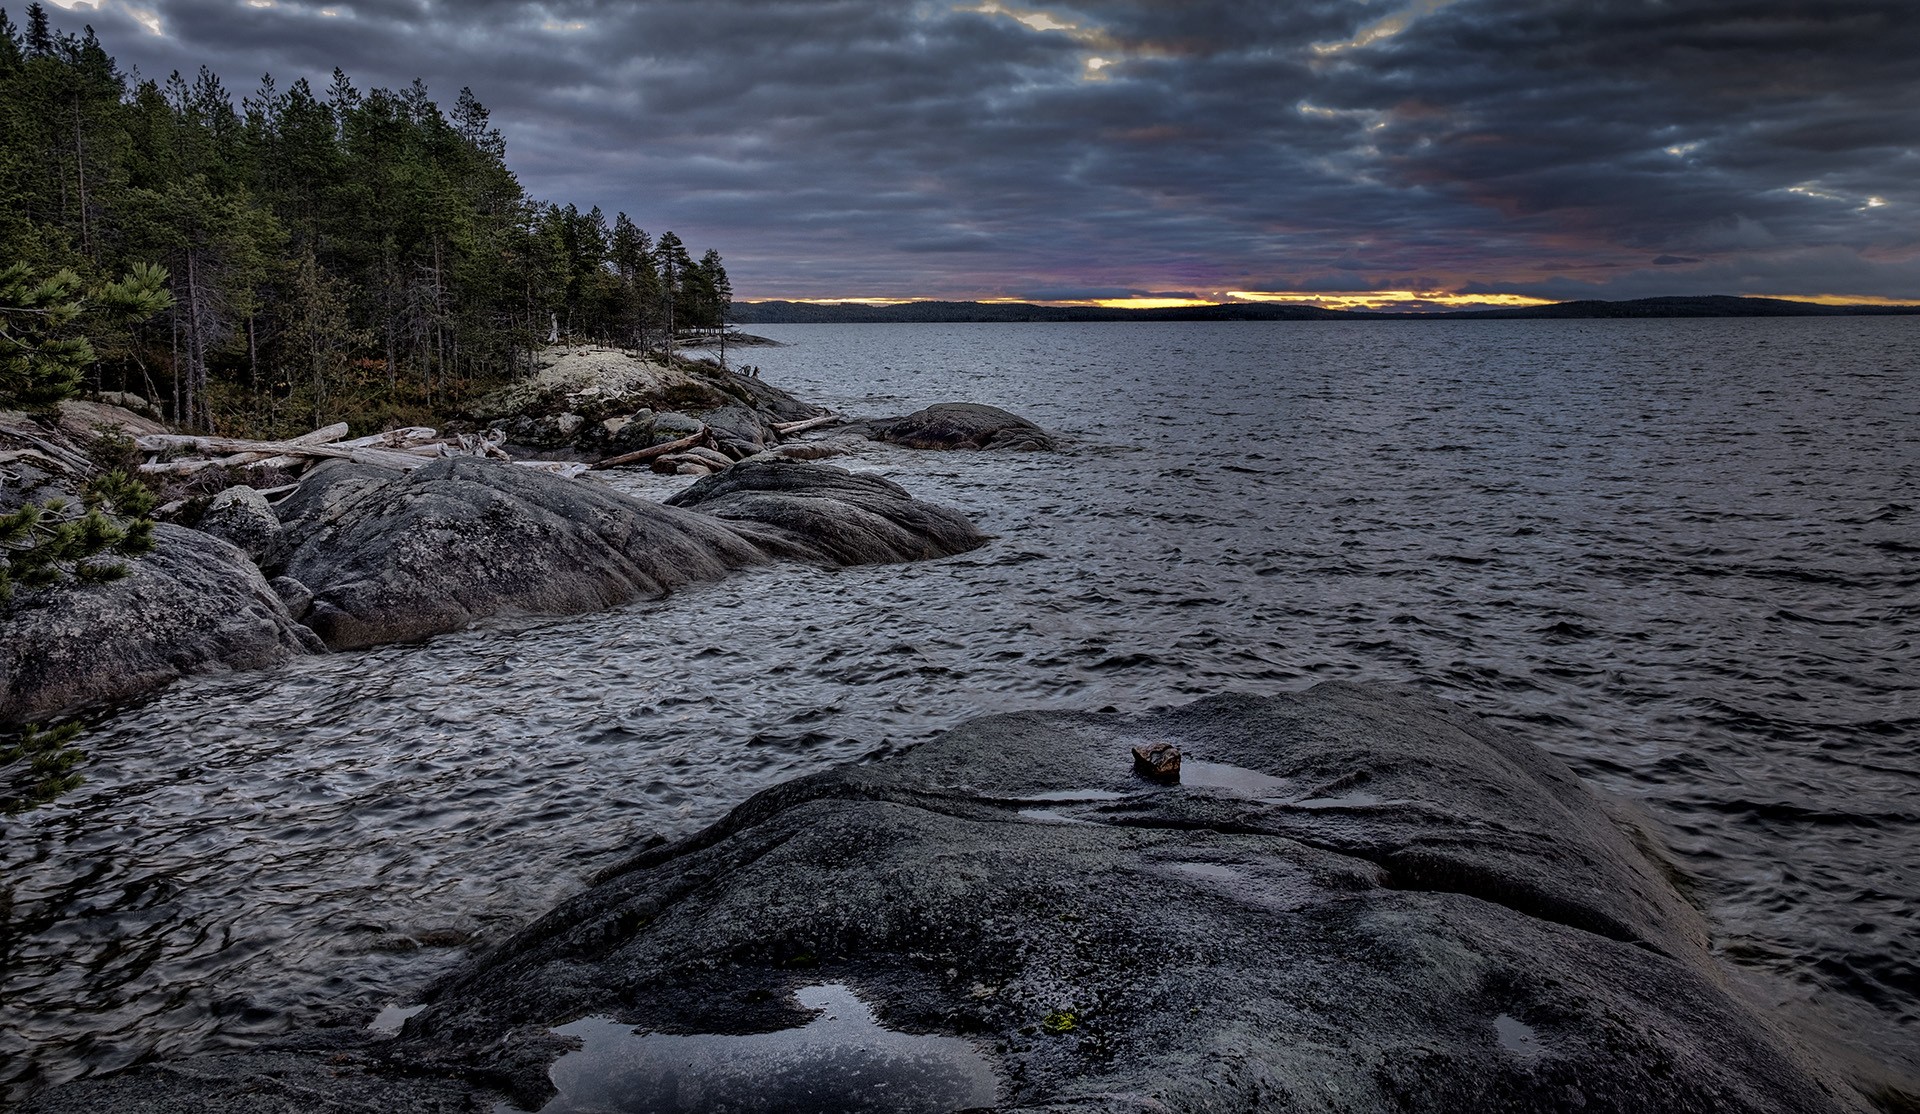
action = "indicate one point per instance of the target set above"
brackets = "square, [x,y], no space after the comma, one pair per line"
[841,1062]
[1685,556]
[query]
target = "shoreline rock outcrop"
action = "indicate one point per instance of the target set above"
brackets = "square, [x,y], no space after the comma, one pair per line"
[1354,899]
[194,604]
[392,557]
[361,554]
[828,516]
[962,425]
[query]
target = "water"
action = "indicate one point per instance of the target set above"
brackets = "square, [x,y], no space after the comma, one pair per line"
[841,1062]
[1683,555]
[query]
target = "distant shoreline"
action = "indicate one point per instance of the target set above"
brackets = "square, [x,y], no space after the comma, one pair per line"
[807,313]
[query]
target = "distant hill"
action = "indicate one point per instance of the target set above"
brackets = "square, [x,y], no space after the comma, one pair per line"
[1716,305]
[798,313]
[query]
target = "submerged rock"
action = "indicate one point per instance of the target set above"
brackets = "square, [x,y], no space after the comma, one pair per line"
[827,515]
[963,425]
[1360,899]
[193,604]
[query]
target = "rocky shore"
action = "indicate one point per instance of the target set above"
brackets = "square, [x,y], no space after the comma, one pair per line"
[1352,899]
[390,542]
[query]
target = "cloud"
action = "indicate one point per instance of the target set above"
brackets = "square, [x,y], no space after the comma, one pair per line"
[928,149]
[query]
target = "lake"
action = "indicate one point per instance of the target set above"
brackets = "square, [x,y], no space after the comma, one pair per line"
[1684,556]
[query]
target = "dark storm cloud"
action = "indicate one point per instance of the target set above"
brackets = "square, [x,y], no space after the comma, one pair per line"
[1568,148]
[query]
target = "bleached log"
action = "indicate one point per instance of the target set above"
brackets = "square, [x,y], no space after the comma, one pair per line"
[394,438]
[159,442]
[649,453]
[785,429]
[327,435]
[565,468]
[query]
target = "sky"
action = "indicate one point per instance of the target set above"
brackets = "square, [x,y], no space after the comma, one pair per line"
[1418,152]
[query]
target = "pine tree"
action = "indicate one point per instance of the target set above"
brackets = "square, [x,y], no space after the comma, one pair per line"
[720,291]
[37,766]
[39,35]
[42,354]
[672,257]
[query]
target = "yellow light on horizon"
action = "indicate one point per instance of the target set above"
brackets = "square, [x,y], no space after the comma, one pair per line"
[1385,299]
[1140,303]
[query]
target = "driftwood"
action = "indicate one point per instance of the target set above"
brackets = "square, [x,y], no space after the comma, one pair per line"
[160,442]
[786,429]
[329,435]
[646,454]
[566,469]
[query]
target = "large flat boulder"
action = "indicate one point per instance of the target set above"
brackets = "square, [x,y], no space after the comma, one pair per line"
[962,425]
[1355,899]
[193,604]
[388,557]
[829,516]
[391,557]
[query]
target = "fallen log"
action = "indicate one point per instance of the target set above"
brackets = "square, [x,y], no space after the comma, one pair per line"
[646,454]
[326,435]
[787,428]
[209,445]
[394,438]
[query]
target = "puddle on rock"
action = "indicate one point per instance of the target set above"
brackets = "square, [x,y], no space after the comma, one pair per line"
[1234,779]
[1049,816]
[390,1018]
[1075,796]
[1211,872]
[842,1060]
[1345,800]
[1516,1036]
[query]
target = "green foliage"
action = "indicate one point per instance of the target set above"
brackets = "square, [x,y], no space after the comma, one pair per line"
[38,766]
[43,357]
[39,364]
[60,542]
[1060,1022]
[356,252]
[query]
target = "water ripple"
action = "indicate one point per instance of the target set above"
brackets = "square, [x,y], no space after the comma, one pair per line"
[1667,551]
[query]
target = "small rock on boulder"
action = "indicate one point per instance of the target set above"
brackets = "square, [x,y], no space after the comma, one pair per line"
[242,516]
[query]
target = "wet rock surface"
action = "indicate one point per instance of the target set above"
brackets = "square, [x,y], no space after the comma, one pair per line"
[827,515]
[193,604]
[1369,900]
[391,557]
[962,425]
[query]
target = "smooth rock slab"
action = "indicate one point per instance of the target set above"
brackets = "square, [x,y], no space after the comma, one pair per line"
[827,515]
[193,604]
[1392,906]
[392,557]
[963,425]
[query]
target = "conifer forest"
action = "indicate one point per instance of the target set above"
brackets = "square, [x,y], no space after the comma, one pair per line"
[345,254]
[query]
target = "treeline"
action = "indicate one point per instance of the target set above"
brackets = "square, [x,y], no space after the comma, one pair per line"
[361,255]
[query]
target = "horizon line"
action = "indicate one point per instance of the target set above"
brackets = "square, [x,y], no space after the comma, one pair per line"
[1387,301]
